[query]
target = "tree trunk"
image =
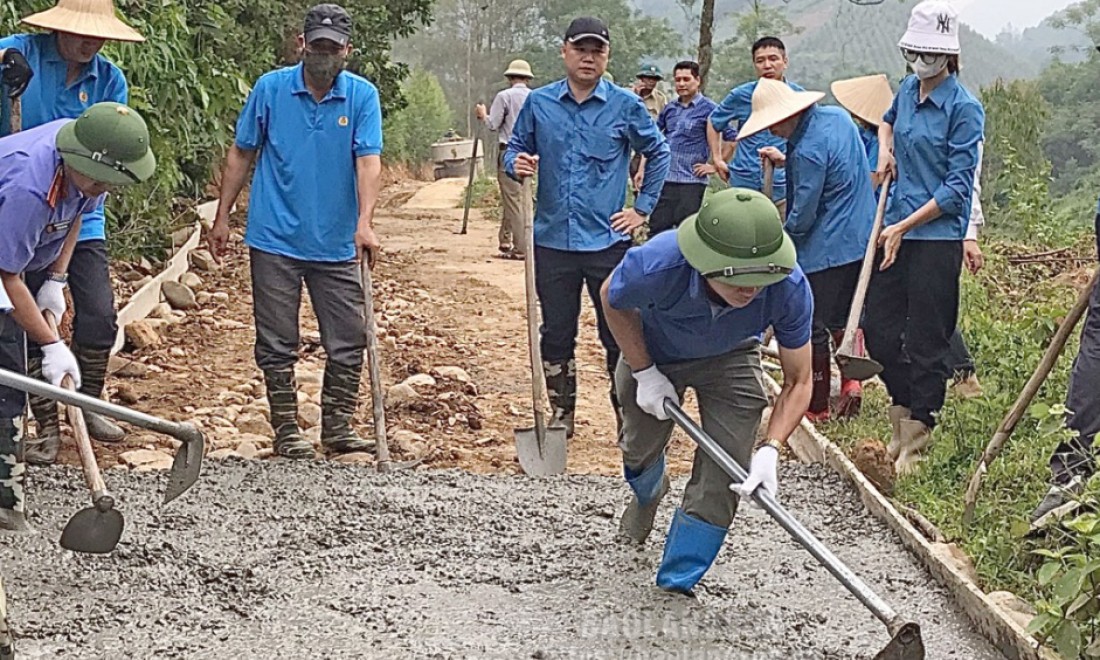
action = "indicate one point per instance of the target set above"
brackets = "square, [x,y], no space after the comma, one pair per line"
[706,41]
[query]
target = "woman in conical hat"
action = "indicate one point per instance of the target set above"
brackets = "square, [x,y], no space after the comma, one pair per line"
[69,77]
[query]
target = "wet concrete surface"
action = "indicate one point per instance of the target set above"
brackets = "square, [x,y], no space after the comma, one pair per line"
[320,560]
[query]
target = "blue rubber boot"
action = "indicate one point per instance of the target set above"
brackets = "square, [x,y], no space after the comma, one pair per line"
[649,486]
[690,549]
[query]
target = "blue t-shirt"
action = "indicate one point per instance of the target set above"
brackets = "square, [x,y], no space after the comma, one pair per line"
[50,97]
[936,145]
[304,202]
[682,323]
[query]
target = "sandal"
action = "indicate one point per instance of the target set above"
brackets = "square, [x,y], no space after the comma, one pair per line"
[512,255]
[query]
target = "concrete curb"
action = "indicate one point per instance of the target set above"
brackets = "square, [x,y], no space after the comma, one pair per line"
[1006,635]
[147,297]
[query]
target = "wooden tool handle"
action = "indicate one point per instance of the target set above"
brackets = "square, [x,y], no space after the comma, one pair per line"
[80,432]
[538,376]
[382,447]
[769,178]
[860,295]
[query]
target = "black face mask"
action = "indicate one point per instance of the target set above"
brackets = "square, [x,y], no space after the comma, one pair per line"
[323,67]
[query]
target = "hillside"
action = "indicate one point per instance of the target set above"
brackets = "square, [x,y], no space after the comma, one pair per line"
[839,39]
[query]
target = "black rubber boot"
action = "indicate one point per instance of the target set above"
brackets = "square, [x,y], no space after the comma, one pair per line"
[93,375]
[282,398]
[561,386]
[42,449]
[339,397]
[12,474]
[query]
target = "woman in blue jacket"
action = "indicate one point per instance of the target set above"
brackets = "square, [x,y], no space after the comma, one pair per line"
[930,141]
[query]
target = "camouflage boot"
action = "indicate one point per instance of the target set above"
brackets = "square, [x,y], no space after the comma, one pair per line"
[282,398]
[12,473]
[93,374]
[339,397]
[561,386]
[42,449]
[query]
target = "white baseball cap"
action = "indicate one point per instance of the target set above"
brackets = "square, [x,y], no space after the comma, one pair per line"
[933,28]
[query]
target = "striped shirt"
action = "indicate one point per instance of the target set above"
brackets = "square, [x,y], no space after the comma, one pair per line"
[685,128]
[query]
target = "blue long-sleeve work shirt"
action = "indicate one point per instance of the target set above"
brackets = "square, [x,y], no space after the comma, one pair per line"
[830,204]
[936,145]
[584,156]
[746,170]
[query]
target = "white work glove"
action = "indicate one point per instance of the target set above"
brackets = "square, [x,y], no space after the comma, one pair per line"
[761,473]
[653,389]
[51,298]
[57,362]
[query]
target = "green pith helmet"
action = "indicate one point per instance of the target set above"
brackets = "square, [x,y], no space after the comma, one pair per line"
[737,238]
[108,143]
[649,70]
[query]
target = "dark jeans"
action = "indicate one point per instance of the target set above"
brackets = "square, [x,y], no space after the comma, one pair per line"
[559,278]
[1077,456]
[13,358]
[677,201]
[336,291]
[914,305]
[833,291]
[95,322]
[959,360]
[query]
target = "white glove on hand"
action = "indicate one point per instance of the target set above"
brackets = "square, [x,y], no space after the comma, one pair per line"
[51,298]
[57,362]
[761,473]
[653,388]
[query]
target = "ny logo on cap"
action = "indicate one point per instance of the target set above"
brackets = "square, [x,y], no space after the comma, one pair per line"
[943,23]
[327,21]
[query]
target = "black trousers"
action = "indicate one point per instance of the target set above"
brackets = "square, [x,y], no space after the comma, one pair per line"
[833,290]
[912,309]
[677,202]
[1077,457]
[559,278]
[13,358]
[95,322]
[959,360]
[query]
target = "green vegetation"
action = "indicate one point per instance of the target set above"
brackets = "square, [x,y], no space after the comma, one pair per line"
[410,132]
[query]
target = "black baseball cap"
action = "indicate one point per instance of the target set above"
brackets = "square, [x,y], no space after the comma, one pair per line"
[328,22]
[587,27]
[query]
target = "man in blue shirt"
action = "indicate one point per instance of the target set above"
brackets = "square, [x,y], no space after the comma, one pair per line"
[684,124]
[576,135]
[70,75]
[830,210]
[315,131]
[769,58]
[688,309]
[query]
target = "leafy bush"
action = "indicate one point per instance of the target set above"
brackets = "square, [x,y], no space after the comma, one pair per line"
[410,132]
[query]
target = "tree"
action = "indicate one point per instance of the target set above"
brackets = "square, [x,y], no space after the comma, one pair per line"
[733,58]
[410,132]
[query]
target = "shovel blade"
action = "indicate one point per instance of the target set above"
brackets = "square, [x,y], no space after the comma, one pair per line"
[187,464]
[93,531]
[907,644]
[545,460]
[858,367]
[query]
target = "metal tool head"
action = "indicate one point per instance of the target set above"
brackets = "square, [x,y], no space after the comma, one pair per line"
[95,530]
[187,464]
[907,644]
[545,458]
[858,367]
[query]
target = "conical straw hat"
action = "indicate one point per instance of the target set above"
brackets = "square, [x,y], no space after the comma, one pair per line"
[773,102]
[87,18]
[868,97]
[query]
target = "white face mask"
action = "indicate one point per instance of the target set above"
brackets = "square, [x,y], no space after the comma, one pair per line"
[926,71]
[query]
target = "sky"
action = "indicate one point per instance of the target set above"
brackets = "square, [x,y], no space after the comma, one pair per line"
[989,17]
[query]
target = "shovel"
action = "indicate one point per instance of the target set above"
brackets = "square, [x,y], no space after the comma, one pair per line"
[378,399]
[470,181]
[188,461]
[541,449]
[769,178]
[98,528]
[906,642]
[853,364]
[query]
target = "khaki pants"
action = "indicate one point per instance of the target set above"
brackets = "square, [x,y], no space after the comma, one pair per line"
[732,398]
[515,201]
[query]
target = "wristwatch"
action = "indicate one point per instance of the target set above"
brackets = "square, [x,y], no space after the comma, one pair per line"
[61,278]
[768,442]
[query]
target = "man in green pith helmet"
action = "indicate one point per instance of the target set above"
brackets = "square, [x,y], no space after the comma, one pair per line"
[49,177]
[688,309]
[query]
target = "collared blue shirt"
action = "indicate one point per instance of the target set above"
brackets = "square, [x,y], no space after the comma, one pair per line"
[936,145]
[746,170]
[304,202]
[830,204]
[50,97]
[37,205]
[584,154]
[685,128]
[682,323]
